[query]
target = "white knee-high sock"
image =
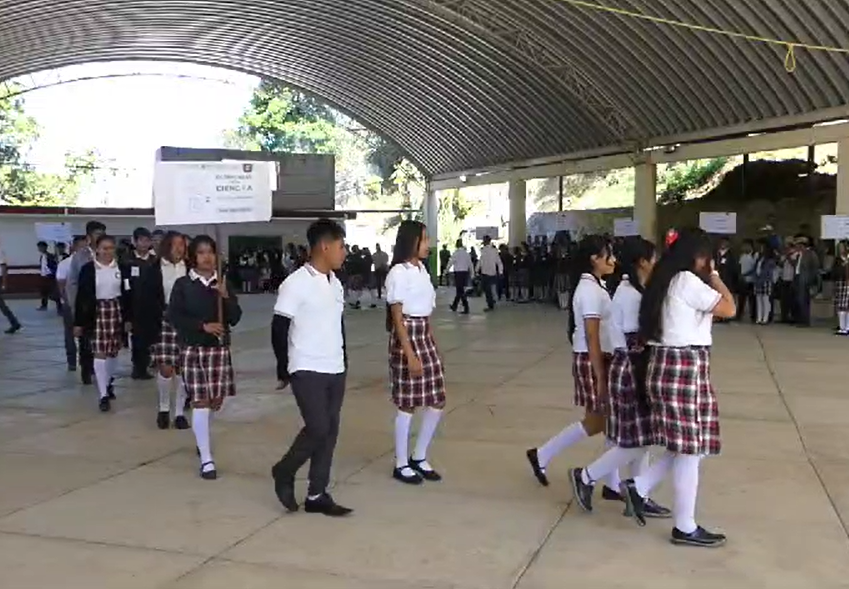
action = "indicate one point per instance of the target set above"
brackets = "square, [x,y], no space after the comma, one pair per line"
[101,374]
[843,317]
[767,308]
[685,475]
[640,466]
[164,387]
[430,421]
[655,473]
[111,367]
[613,479]
[181,396]
[200,425]
[610,462]
[402,438]
[568,436]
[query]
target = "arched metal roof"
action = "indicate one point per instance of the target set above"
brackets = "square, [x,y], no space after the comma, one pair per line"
[462,84]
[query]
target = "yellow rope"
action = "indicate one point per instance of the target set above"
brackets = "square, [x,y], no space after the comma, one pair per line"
[789,58]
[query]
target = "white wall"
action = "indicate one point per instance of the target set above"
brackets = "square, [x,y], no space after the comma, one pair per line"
[18,239]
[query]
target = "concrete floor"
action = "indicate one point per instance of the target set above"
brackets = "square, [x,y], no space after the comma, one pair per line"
[90,500]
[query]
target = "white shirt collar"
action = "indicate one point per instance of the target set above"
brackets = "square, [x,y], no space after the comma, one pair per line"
[588,276]
[144,257]
[313,272]
[112,265]
[206,282]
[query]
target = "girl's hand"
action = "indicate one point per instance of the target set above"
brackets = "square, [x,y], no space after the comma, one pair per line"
[415,367]
[222,290]
[215,329]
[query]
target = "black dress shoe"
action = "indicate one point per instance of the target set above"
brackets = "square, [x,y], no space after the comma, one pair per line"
[105,405]
[412,479]
[13,329]
[325,505]
[655,510]
[636,504]
[428,475]
[163,420]
[583,492]
[208,475]
[700,537]
[85,377]
[180,422]
[284,488]
[609,494]
[72,368]
[539,472]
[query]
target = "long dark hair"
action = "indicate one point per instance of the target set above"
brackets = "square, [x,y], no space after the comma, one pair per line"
[165,246]
[634,250]
[681,256]
[198,241]
[406,248]
[582,263]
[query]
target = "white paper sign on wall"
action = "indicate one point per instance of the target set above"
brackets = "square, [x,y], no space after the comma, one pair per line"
[625,227]
[834,227]
[719,223]
[192,193]
[54,232]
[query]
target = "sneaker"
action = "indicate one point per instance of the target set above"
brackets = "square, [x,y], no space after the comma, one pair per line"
[163,420]
[636,504]
[325,505]
[699,537]
[539,471]
[284,488]
[180,422]
[656,511]
[583,492]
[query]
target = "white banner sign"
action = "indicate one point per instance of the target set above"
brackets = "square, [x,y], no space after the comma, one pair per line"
[54,232]
[190,193]
[719,223]
[481,232]
[625,227]
[835,227]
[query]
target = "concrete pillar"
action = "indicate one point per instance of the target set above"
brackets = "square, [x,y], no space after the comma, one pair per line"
[645,200]
[841,205]
[518,214]
[431,219]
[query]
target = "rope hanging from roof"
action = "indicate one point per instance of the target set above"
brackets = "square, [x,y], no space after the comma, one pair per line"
[790,46]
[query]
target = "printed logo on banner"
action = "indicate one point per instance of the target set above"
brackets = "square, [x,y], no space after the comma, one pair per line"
[247,168]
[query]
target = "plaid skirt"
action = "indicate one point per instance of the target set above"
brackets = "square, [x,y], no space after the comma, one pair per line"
[763,288]
[427,390]
[208,375]
[685,412]
[841,296]
[108,338]
[586,391]
[629,424]
[166,351]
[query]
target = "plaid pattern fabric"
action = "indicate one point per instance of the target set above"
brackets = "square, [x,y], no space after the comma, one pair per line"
[763,288]
[108,336]
[629,424]
[841,296]
[166,352]
[409,391]
[685,413]
[208,374]
[586,391]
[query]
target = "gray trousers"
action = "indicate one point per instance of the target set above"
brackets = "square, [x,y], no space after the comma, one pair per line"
[7,312]
[70,340]
[319,397]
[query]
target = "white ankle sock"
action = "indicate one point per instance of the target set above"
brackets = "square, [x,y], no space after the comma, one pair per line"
[429,422]
[164,387]
[101,374]
[402,437]
[568,436]
[655,473]
[685,476]
[200,425]
[179,406]
[609,463]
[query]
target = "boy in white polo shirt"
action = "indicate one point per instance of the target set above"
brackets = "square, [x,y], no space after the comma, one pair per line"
[308,336]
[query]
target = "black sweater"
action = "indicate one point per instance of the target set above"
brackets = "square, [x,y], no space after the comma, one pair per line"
[192,304]
[85,311]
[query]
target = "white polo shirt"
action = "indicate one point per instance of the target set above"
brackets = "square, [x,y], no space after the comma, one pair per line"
[107,281]
[314,302]
[687,318]
[63,268]
[590,301]
[624,314]
[410,286]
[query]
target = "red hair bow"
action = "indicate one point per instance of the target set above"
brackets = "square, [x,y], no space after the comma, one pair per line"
[671,237]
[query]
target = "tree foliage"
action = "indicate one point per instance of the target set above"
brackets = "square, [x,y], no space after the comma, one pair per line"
[20,182]
[686,177]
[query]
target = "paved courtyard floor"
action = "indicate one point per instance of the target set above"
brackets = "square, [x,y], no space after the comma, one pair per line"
[108,501]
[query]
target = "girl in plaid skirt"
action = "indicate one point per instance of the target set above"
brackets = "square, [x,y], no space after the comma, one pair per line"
[156,286]
[629,424]
[204,338]
[681,299]
[415,365]
[840,272]
[103,309]
[764,274]
[592,261]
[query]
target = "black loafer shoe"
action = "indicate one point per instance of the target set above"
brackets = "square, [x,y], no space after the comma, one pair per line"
[656,511]
[428,475]
[539,472]
[413,479]
[636,505]
[208,475]
[180,422]
[609,494]
[325,505]
[105,405]
[284,488]
[700,537]
[583,492]
[163,420]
